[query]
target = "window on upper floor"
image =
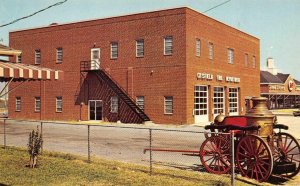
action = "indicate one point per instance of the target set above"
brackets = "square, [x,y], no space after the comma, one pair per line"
[113,50]
[198,47]
[210,51]
[253,62]
[230,53]
[168,45]
[140,48]
[38,56]
[18,104]
[59,55]
[246,60]
[59,104]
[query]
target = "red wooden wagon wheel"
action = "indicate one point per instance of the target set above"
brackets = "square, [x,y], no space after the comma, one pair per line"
[215,155]
[254,158]
[287,151]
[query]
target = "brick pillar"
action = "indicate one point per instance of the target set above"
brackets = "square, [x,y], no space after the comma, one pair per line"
[130,81]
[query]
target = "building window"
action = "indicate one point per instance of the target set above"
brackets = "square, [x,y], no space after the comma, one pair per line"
[200,100]
[198,47]
[246,60]
[253,62]
[114,104]
[168,104]
[233,101]
[59,55]
[18,103]
[114,50]
[19,58]
[38,56]
[211,51]
[37,104]
[168,42]
[140,102]
[59,104]
[230,55]
[218,100]
[140,48]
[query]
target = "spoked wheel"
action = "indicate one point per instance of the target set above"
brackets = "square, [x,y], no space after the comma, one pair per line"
[286,155]
[214,155]
[254,158]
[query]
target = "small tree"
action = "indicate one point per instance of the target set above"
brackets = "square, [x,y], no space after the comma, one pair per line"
[34,146]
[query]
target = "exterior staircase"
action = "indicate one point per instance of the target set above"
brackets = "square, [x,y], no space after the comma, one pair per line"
[118,90]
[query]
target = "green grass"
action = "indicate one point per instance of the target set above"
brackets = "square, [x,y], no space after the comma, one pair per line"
[66,169]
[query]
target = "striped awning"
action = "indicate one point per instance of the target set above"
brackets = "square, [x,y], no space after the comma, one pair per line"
[7,51]
[19,71]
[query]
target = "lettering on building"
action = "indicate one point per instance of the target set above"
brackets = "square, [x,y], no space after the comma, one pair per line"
[233,79]
[276,87]
[205,76]
[219,78]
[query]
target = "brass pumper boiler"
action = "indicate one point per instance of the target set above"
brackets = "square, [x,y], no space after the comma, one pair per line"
[259,115]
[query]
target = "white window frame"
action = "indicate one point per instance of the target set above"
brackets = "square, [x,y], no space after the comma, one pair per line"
[37,56]
[95,62]
[210,50]
[18,104]
[114,50]
[37,107]
[59,104]
[140,102]
[168,105]
[19,58]
[168,45]
[59,55]
[253,62]
[219,100]
[246,60]
[198,47]
[230,55]
[140,48]
[114,104]
[233,93]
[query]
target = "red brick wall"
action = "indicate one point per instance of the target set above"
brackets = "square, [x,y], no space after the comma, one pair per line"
[153,76]
[222,37]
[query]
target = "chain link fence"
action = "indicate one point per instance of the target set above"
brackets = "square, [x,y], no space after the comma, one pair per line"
[157,148]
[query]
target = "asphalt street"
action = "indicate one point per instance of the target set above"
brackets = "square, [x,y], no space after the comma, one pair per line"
[123,142]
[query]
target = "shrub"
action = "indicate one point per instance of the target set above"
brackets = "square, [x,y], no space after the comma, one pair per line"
[34,145]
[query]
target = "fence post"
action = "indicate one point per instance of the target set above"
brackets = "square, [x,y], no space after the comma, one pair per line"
[4,131]
[89,150]
[150,147]
[232,157]
[42,145]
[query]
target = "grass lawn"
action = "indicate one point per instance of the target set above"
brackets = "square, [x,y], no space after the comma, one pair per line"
[66,169]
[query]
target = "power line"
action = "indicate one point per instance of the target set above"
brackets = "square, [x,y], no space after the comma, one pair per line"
[25,17]
[216,6]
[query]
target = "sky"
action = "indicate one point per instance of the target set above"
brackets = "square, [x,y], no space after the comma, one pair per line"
[275,22]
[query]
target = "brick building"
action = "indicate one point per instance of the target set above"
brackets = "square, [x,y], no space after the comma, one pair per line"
[170,66]
[282,90]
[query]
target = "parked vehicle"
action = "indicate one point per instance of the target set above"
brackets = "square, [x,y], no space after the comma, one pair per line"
[296,113]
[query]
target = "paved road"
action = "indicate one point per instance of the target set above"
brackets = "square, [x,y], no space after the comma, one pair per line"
[125,144]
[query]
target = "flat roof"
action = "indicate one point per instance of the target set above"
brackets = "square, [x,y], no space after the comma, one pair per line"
[131,17]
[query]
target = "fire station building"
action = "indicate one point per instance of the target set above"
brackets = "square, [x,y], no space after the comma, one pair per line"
[171,66]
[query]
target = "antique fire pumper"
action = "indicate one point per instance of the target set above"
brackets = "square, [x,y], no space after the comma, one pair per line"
[259,115]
